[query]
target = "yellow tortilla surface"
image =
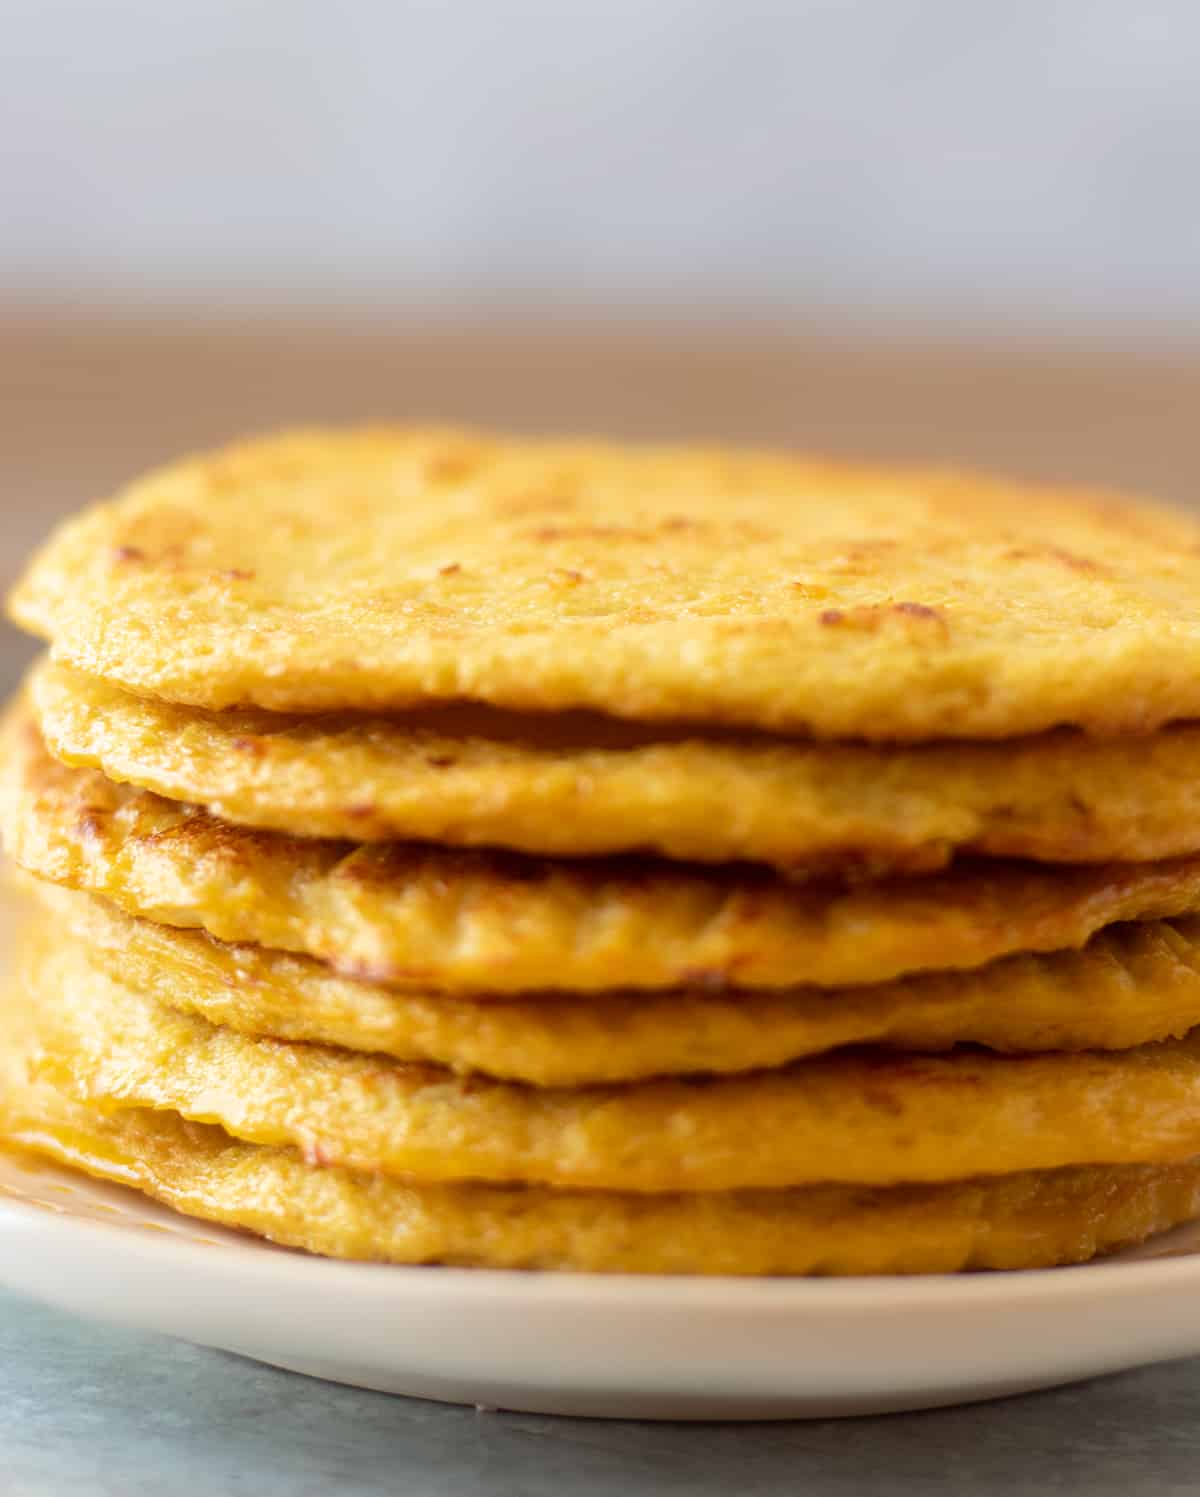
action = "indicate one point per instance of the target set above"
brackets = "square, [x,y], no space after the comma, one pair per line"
[1130,985]
[574,785]
[858,1116]
[381,568]
[1030,1220]
[473,922]
[1019,1221]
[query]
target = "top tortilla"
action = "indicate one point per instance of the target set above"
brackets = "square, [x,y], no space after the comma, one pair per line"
[385,569]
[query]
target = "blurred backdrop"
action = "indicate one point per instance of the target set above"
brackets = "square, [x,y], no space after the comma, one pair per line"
[948,229]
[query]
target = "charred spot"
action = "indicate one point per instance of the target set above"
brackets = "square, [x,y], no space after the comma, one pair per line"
[254,747]
[869,617]
[568,576]
[450,569]
[238,574]
[919,611]
[128,553]
[362,810]
[440,761]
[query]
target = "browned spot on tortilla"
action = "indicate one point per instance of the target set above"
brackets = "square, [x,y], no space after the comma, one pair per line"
[1076,562]
[1072,559]
[869,617]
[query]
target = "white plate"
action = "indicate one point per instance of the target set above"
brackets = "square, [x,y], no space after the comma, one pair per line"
[590,1344]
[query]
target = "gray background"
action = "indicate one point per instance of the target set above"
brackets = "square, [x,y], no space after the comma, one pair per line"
[977,165]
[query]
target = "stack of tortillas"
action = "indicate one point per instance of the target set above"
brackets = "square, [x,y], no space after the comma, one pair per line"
[466,851]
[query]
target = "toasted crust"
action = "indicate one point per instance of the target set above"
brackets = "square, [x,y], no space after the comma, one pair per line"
[563,786]
[476,923]
[1131,984]
[380,569]
[858,1117]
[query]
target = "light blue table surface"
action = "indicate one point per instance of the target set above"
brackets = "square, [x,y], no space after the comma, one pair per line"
[89,1411]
